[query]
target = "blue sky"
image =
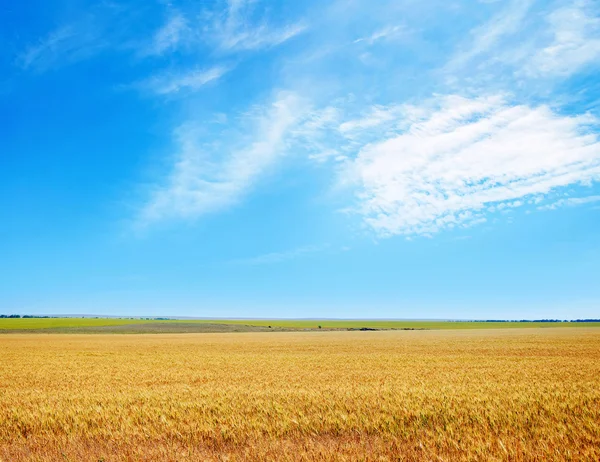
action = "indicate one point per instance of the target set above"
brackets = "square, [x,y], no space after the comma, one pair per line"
[253,158]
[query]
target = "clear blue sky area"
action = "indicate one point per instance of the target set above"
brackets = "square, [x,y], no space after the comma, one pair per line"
[349,158]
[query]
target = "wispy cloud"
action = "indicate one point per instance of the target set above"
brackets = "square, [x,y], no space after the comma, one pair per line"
[169,36]
[313,133]
[278,257]
[457,158]
[520,46]
[570,202]
[204,181]
[169,83]
[234,29]
[375,117]
[100,28]
[382,34]
[575,42]
[485,37]
[65,45]
[236,25]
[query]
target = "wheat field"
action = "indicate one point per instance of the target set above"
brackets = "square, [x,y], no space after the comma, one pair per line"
[530,394]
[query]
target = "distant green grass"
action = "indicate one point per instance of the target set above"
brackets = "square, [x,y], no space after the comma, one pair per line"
[52,323]
[383,324]
[47,323]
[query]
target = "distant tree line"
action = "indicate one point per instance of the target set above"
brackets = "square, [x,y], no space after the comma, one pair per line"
[528,320]
[534,320]
[96,317]
[24,316]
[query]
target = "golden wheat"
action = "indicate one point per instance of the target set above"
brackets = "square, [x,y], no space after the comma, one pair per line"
[431,395]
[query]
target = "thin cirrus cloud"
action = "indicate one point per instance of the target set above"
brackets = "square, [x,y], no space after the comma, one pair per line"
[233,29]
[451,162]
[65,45]
[488,36]
[548,44]
[278,257]
[169,83]
[261,37]
[382,34]
[101,28]
[575,42]
[107,27]
[376,117]
[169,36]
[204,181]
[570,202]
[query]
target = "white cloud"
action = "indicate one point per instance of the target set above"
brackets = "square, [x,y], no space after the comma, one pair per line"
[208,178]
[575,43]
[96,29]
[168,37]
[277,257]
[67,44]
[570,202]
[376,117]
[170,83]
[48,46]
[485,37]
[416,169]
[314,131]
[519,45]
[234,30]
[382,34]
[453,160]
